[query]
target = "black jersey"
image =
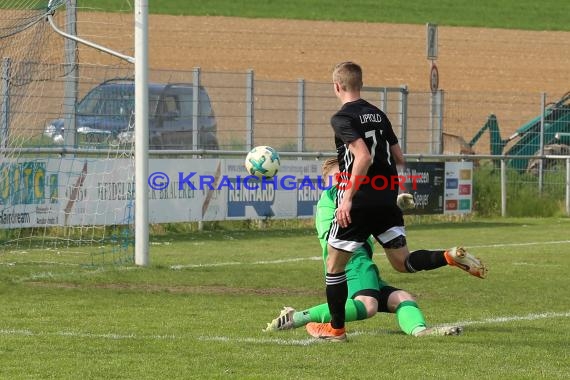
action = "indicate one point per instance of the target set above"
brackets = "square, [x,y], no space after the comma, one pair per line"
[360,119]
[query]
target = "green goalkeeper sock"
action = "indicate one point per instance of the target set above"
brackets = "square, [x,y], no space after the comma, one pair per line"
[354,311]
[410,317]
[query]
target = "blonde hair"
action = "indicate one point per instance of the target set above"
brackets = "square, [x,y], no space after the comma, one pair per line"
[330,167]
[348,75]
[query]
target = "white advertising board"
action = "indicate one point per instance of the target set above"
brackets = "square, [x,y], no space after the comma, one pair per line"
[67,192]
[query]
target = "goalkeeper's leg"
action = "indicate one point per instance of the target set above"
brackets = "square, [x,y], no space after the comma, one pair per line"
[408,314]
[355,309]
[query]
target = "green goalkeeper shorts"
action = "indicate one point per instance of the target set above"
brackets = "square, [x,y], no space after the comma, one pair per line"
[362,273]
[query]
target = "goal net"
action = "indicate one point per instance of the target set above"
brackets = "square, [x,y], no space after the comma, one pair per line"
[66,170]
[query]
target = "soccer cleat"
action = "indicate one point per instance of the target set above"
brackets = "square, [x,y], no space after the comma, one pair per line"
[440,331]
[326,331]
[459,257]
[283,322]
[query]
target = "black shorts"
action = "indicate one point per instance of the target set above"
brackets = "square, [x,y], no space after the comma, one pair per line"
[383,222]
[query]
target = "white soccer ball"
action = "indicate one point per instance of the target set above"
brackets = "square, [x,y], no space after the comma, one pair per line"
[262,162]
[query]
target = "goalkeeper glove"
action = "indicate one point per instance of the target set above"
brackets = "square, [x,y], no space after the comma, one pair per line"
[406,201]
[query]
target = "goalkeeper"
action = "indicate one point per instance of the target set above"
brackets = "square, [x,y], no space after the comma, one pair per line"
[367,292]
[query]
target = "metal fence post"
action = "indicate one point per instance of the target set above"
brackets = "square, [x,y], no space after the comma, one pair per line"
[195,106]
[541,143]
[5,120]
[301,117]
[432,113]
[503,187]
[436,122]
[404,117]
[249,104]
[568,186]
[384,99]
[441,98]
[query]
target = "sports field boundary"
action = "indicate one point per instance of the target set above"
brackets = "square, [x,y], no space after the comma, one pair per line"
[274,338]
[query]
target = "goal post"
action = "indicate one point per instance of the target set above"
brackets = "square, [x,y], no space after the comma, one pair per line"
[141,133]
[56,191]
[141,120]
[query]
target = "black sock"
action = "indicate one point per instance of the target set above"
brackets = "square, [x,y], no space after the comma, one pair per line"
[337,293]
[423,259]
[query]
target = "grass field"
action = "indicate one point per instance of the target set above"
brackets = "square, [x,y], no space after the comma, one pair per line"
[509,14]
[198,310]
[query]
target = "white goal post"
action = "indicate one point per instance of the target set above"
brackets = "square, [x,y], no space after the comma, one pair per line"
[141,133]
[50,156]
[141,120]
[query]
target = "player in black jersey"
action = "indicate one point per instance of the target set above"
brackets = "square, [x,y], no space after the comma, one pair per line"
[368,154]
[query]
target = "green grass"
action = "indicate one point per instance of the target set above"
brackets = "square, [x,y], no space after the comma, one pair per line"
[509,14]
[198,310]
[524,197]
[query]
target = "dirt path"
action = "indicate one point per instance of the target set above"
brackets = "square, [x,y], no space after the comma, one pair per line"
[470,59]
[490,64]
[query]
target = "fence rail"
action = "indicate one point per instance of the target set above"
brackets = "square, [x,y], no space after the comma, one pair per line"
[294,118]
[500,162]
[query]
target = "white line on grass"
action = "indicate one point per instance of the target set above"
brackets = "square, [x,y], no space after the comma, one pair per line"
[528,317]
[278,341]
[20,263]
[78,334]
[263,262]
[522,263]
[519,244]
[306,342]
[50,275]
[269,340]
[316,258]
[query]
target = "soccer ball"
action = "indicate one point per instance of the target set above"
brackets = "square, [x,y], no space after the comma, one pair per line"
[262,162]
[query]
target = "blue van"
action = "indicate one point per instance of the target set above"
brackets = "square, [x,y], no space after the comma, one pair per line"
[106,114]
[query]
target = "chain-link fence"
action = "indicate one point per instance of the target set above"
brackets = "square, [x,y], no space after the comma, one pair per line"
[294,116]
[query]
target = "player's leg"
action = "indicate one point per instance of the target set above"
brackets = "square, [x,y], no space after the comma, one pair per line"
[341,241]
[424,259]
[337,293]
[289,318]
[392,237]
[402,260]
[405,261]
[395,245]
[362,281]
[408,314]
[336,284]
[356,309]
